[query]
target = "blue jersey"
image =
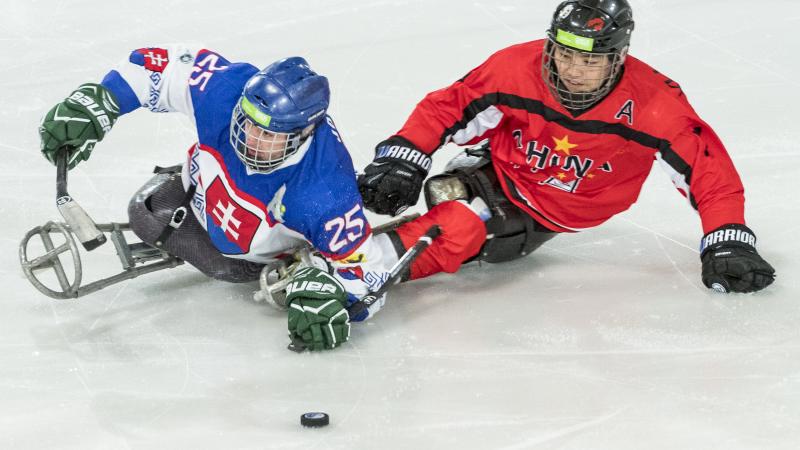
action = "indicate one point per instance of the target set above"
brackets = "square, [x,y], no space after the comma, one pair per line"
[312,197]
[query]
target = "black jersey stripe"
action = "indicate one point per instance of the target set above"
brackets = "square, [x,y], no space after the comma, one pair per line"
[582,126]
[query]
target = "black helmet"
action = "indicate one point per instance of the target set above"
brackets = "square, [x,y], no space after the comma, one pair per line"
[594,27]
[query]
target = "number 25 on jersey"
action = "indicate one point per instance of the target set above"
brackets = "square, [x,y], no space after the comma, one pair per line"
[346,230]
[205,68]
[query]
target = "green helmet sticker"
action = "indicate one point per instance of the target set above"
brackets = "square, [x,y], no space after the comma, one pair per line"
[255,114]
[575,41]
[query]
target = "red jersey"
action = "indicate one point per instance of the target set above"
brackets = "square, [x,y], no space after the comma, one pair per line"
[572,172]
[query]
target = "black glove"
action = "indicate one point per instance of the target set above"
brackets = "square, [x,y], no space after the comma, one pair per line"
[731,263]
[392,182]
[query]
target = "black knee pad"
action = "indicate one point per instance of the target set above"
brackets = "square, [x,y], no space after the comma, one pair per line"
[511,233]
[150,212]
[152,206]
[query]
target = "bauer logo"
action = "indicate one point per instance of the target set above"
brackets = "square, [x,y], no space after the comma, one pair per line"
[88,102]
[311,286]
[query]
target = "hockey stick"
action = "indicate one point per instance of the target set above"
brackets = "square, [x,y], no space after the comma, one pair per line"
[278,274]
[79,222]
[395,274]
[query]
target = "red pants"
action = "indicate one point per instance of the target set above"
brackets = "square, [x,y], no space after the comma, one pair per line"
[463,235]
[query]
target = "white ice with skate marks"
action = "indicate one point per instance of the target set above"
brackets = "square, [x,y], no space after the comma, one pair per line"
[604,339]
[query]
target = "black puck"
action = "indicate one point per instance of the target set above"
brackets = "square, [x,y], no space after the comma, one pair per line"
[314,419]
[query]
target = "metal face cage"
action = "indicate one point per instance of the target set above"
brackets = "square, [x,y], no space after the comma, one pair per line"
[260,149]
[579,79]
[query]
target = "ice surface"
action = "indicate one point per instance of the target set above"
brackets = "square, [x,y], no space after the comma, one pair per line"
[601,340]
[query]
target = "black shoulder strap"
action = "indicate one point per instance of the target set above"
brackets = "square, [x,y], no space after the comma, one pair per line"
[177,218]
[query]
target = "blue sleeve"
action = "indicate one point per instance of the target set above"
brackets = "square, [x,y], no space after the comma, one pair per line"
[339,225]
[125,96]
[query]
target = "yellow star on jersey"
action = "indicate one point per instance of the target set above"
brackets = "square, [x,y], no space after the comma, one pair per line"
[561,175]
[563,144]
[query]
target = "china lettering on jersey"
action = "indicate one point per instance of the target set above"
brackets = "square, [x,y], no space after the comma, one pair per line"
[560,162]
[646,116]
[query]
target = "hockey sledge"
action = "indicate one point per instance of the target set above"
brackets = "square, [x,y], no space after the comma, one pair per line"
[136,258]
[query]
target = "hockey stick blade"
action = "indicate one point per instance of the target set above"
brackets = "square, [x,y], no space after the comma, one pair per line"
[79,222]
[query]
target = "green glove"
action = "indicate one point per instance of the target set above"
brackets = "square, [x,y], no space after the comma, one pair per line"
[79,122]
[318,319]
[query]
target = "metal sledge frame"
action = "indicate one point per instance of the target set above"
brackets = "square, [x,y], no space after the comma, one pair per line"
[140,258]
[136,259]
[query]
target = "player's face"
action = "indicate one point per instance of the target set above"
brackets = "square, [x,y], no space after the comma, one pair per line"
[579,71]
[263,145]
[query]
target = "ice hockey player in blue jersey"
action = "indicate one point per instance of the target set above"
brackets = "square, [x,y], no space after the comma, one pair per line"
[269,172]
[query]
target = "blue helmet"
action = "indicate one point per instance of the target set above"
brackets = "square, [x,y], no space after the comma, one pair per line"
[278,110]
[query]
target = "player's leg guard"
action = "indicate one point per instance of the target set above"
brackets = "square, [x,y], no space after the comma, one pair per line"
[154,207]
[463,233]
[511,233]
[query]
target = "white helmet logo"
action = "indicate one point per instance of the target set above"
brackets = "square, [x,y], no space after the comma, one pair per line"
[565,12]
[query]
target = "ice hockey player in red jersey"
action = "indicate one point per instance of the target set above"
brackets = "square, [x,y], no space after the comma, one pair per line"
[572,124]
